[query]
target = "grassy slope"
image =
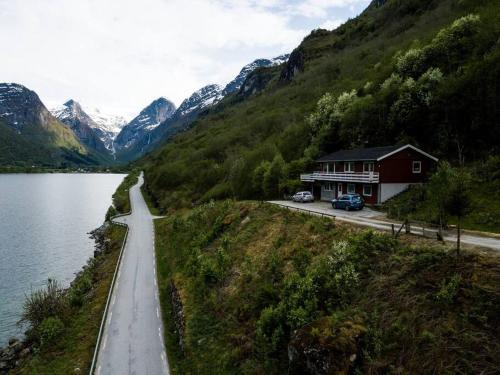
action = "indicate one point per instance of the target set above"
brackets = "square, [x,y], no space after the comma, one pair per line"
[198,164]
[231,261]
[121,199]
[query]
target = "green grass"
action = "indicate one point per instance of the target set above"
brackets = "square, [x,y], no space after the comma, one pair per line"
[75,348]
[121,198]
[252,279]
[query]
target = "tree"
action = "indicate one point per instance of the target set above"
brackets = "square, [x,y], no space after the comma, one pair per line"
[438,190]
[273,177]
[458,201]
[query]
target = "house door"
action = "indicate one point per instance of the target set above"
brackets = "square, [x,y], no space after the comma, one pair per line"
[339,189]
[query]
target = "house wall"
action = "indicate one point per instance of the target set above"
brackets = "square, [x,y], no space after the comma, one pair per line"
[397,168]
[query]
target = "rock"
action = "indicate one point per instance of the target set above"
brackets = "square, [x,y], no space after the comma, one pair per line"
[3,365]
[24,353]
[17,346]
[77,370]
[178,313]
[13,340]
[325,347]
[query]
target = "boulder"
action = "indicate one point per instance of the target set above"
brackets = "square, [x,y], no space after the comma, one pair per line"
[326,346]
[24,353]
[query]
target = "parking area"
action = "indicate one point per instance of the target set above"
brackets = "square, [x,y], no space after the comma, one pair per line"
[325,208]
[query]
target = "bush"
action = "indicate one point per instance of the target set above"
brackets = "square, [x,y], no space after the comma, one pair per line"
[44,303]
[50,329]
[449,290]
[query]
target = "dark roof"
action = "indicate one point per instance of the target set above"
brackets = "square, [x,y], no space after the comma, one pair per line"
[372,153]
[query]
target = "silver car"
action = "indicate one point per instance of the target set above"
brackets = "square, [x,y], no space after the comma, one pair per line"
[303,196]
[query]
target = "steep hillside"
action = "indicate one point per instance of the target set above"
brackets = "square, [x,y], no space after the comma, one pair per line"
[30,135]
[268,125]
[198,103]
[249,288]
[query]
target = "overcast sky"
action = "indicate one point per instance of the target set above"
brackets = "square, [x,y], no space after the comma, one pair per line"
[119,55]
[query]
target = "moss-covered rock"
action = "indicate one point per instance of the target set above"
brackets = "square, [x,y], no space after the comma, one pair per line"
[325,346]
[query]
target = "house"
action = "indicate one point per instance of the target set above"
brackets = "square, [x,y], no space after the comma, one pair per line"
[377,173]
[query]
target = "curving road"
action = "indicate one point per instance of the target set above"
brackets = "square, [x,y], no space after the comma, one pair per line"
[132,341]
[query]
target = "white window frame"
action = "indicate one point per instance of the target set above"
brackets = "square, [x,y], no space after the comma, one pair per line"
[365,164]
[339,189]
[414,164]
[371,190]
[328,186]
[353,190]
[346,163]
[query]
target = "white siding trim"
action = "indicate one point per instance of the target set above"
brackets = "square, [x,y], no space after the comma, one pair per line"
[405,147]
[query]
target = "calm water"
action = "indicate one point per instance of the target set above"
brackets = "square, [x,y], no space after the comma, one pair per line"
[44,221]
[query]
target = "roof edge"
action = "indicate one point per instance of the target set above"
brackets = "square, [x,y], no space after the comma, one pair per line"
[405,147]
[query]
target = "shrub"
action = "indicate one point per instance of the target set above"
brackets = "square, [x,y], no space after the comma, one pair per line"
[50,329]
[44,303]
[449,290]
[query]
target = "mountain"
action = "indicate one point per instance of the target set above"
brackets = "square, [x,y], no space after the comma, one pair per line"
[421,72]
[72,114]
[31,135]
[197,103]
[92,127]
[107,126]
[136,133]
[203,98]
[238,81]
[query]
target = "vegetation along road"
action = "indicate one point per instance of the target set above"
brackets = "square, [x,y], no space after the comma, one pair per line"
[132,341]
[366,220]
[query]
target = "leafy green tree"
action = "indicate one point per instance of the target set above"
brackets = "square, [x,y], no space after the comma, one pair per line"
[258,177]
[458,202]
[273,177]
[437,190]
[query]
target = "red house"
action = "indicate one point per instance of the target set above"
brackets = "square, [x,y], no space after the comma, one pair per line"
[377,173]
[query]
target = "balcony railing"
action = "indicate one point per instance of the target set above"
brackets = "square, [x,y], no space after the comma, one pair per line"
[366,177]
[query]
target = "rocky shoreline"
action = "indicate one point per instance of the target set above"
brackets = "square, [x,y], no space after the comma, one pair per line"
[12,354]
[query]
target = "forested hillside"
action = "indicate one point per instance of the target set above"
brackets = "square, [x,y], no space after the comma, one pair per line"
[420,71]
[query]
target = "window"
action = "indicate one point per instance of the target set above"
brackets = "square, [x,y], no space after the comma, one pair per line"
[328,186]
[367,190]
[368,167]
[417,166]
[349,167]
[351,188]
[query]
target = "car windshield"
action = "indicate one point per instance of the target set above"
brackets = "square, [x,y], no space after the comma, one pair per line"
[356,198]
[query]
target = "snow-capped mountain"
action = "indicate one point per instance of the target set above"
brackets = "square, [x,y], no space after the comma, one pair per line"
[106,122]
[150,117]
[85,128]
[238,81]
[29,133]
[205,97]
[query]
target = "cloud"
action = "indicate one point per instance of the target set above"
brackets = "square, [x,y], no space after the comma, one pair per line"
[331,24]
[121,54]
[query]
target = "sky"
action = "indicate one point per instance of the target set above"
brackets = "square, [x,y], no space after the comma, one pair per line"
[119,55]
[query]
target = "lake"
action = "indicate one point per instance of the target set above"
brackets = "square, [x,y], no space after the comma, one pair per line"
[44,225]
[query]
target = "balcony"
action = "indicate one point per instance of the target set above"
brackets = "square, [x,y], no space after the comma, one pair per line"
[362,177]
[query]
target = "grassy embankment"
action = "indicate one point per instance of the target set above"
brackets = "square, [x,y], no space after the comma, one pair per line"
[255,281]
[83,305]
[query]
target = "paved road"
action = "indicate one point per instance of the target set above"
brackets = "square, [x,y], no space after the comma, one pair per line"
[369,219]
[132,341]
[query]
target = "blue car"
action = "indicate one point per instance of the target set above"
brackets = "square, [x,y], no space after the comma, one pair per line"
[349,202]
